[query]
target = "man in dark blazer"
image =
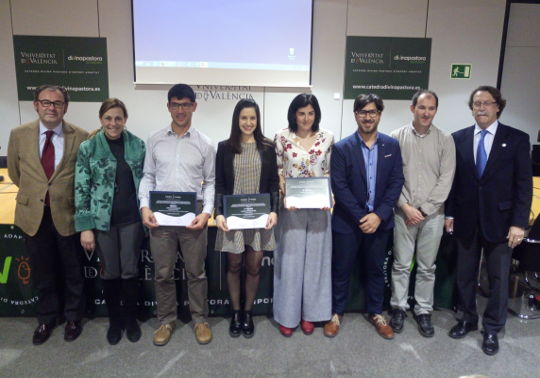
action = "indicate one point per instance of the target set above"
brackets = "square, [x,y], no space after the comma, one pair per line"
[367,177]
[488,208]
[41,162]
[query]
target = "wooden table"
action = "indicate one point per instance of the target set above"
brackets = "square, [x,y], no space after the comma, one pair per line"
[8,192]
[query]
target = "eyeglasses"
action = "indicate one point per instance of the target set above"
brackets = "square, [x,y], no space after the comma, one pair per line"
[365,113]
[183,105]
[47,103]
[479,104]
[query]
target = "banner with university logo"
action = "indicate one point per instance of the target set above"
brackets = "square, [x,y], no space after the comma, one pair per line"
[18,298]
[394,68]
[17,295]
[77,63]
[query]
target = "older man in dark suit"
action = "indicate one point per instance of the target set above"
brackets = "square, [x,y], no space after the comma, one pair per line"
[41,162]
[488,208]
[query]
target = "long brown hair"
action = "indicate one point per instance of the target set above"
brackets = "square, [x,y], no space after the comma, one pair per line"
[235,138]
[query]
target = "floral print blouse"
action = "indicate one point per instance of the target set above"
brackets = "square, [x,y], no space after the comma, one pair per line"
[295,161]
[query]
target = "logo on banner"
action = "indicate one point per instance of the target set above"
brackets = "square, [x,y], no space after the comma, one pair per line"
[24,271]
[411,59]
[367,57]
[222,92]
[38,58]
[4,274]
[86,59]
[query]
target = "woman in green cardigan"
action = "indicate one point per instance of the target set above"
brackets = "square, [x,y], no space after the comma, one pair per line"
[107,175]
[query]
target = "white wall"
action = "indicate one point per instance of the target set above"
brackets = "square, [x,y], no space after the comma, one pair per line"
[521,79]
[463,31]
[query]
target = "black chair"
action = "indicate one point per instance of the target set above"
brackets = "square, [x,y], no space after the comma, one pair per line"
[526,283]
[3,164]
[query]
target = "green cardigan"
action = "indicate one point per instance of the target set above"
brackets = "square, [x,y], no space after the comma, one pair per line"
[95,174]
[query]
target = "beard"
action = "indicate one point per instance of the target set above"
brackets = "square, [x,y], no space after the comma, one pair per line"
[368,127]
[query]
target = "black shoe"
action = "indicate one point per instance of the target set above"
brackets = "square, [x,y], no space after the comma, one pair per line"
[462,328]
[133,331]
[424,325]
[490,346]
[42,333]
[72,330]
[248,328]
[235,329]
[397,320]
[114,333]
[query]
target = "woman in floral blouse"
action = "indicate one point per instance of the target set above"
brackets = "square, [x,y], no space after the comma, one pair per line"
[303,259]
[107,175]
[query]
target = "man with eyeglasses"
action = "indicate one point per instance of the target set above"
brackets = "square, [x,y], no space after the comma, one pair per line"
[488,209]
[41,162]
[429,161]
[179,158]
[367,177]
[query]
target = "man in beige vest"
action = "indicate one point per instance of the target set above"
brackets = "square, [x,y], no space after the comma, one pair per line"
[41,162]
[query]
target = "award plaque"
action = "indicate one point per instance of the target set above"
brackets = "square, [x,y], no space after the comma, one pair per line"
[308,192]
[173,208]
[244,211]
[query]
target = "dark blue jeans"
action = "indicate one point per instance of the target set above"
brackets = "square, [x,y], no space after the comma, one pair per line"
[372,249]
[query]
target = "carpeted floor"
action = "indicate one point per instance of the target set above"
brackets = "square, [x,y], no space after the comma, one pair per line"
[356,352]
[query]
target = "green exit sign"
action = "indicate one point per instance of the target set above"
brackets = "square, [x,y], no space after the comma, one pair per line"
[460,71]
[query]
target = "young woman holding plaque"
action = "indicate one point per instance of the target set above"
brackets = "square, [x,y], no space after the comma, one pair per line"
[245,164]
[303,259]
[107,175]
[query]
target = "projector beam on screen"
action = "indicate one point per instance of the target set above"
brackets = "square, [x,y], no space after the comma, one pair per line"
[264,43]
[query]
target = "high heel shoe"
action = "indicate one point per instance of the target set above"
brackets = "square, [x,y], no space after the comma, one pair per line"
[235,329]
[248,327]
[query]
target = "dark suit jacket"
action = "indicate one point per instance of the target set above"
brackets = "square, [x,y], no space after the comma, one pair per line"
[26,171]
[269,182]
[349,183]
[502,197]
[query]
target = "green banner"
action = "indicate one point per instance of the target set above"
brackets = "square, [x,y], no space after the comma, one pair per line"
[17,295]
[18,298]
[394,68]
[77,63]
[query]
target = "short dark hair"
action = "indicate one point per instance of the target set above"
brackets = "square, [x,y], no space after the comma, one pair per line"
[50,87]
[494,92]
[181,91]
[427,92]
[364,99]
[300,101]
[112,103]
[235,138]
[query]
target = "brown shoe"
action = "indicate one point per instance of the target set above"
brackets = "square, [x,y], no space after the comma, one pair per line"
[203,333]
[382,327]
[331,328]
[163,334]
